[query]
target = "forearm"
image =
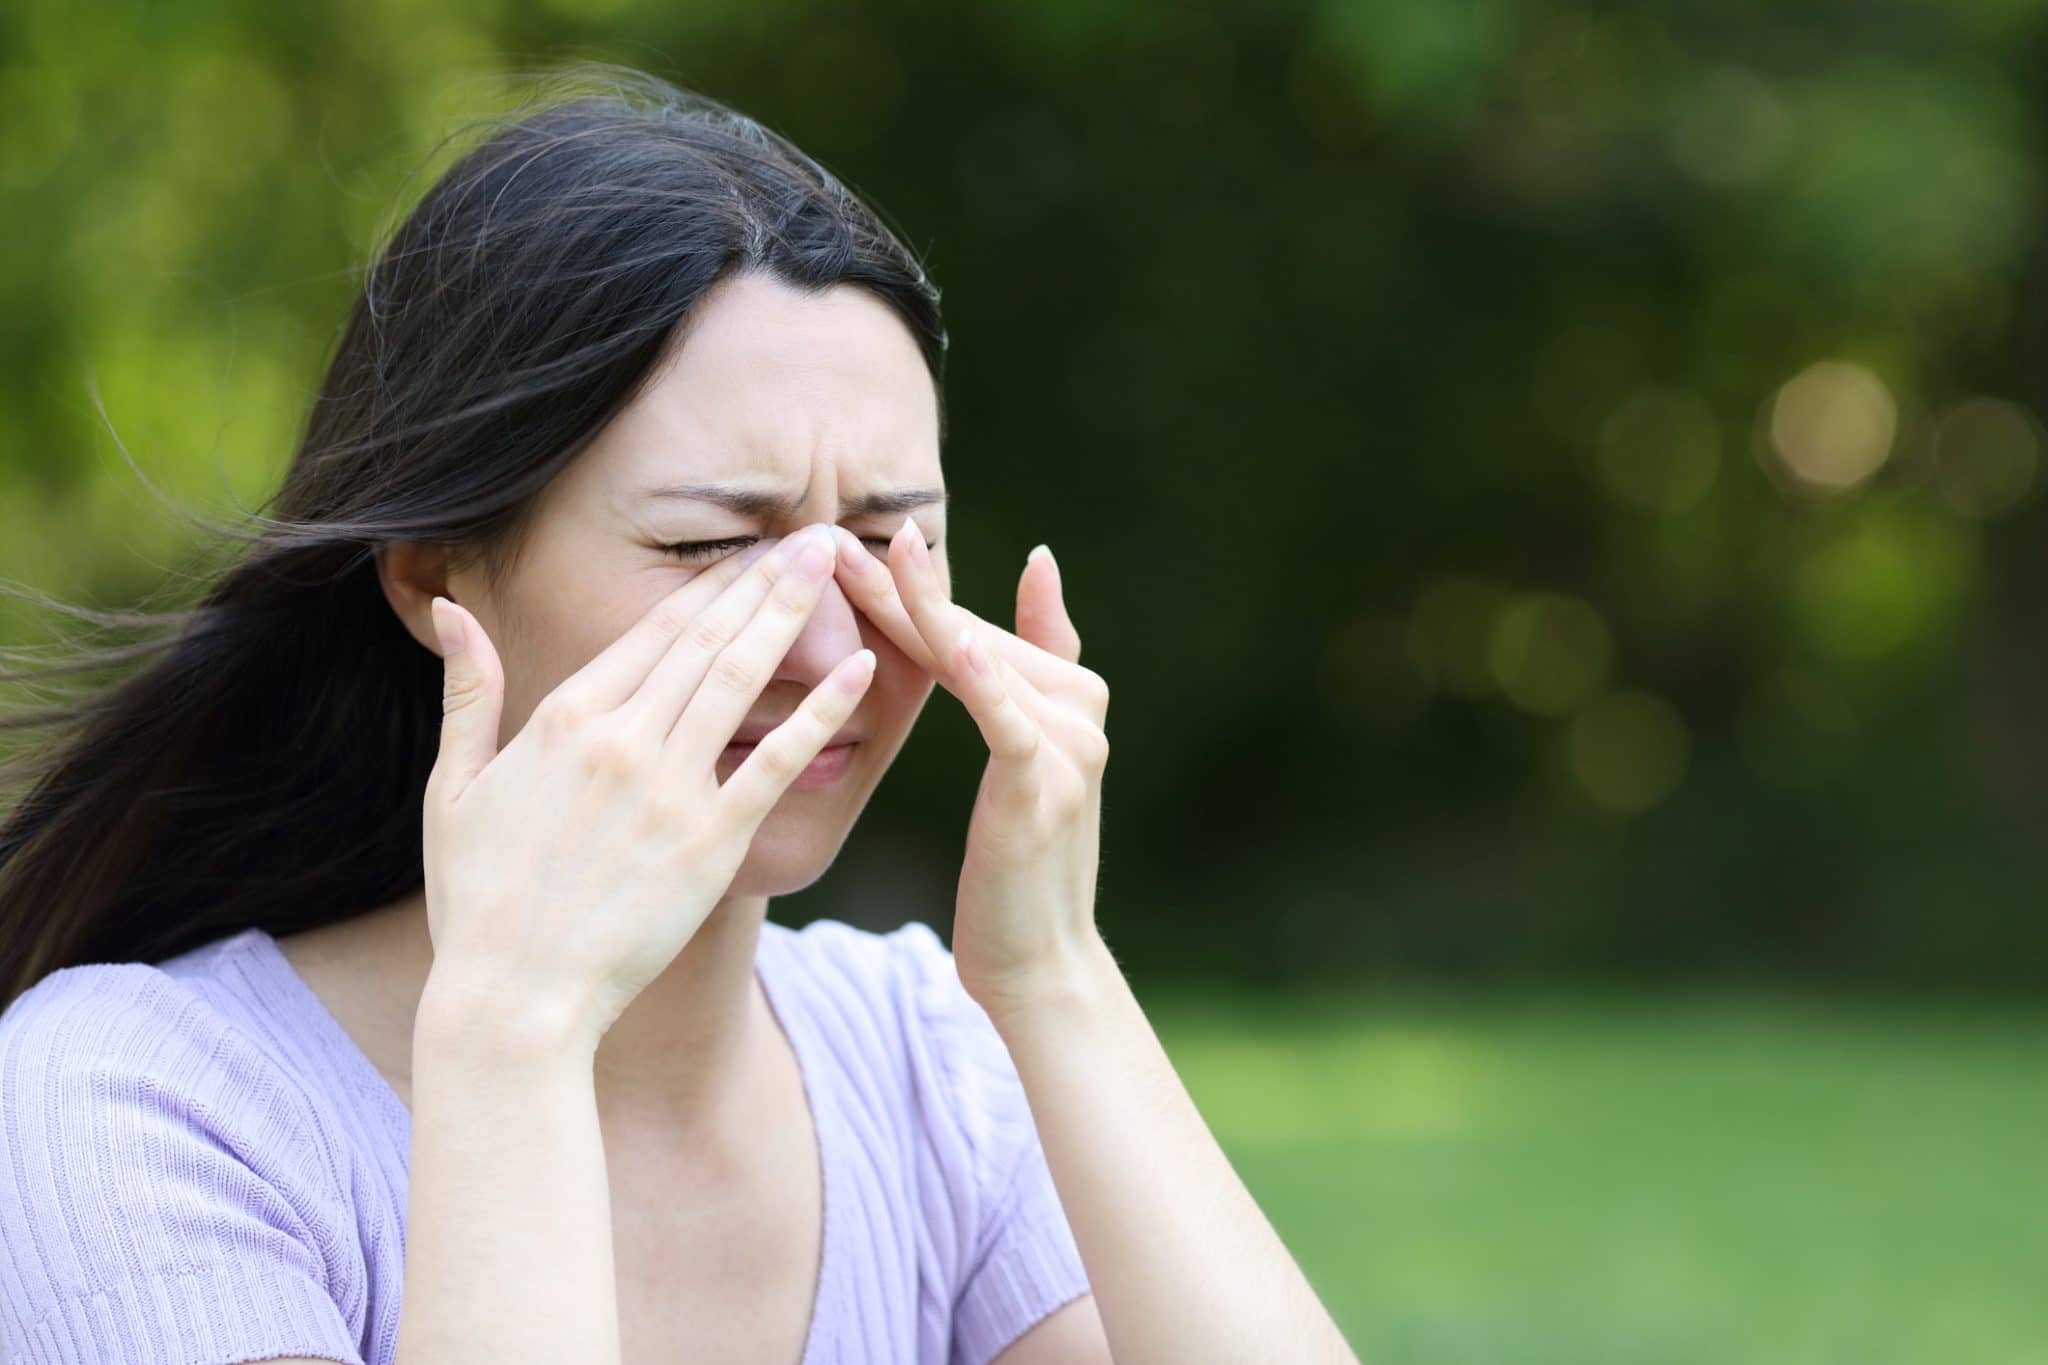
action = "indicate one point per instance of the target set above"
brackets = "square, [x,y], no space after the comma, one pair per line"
[1184,1266]
[508,1236]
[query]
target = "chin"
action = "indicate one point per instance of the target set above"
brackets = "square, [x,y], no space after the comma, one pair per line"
[791,850]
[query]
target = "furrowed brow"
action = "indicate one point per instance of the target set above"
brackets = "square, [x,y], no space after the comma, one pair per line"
[761,502]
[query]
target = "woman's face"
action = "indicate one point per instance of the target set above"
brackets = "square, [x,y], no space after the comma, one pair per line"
[814,403]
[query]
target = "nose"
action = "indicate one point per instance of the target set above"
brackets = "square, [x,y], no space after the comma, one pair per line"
[830,634]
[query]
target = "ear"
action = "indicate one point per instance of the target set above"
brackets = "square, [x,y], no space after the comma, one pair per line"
[412,575]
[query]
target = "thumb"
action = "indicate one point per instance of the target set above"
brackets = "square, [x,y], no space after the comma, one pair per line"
[472,697]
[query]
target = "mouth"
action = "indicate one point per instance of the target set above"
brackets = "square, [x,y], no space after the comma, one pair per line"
[831,763]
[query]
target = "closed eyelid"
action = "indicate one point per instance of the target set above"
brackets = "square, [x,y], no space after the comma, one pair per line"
[748,546]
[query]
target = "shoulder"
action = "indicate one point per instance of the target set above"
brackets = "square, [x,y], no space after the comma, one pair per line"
[136,1034]
[161,1180]
[107,1019]
[129,1102]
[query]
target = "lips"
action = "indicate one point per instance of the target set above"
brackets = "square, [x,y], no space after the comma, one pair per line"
[835,744]
[748,735]
[826,767]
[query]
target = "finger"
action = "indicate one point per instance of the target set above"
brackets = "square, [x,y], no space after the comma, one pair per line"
[1042,615]
[1024,673]
[766,773]
[1057,719]
[659,701]
[893,595]
[733,677]
[934,614]
[472,698]
[877,594]
[874,592]
[618,670]
[1011,733]
[936,617]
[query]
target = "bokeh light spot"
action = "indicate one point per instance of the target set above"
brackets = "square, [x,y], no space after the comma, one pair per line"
[1894,577]
[1660,449]
[1987,455]
[1832,425]
[1550,652]
[1450,631]
[1628,751]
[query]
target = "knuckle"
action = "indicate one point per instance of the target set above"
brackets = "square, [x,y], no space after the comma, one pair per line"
[563,711]
[707,633]
[670,616]
[666,811]
[457,693]
[1092,748]
[1034,741]
[1066,796]
[734,672]
[610,751]
[1095,688]
[775,761]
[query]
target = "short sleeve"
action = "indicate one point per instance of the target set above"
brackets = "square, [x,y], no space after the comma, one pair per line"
[1021,1262]
[164,1199]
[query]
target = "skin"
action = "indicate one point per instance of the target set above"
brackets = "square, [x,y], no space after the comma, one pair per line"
[819,397]
[824,397]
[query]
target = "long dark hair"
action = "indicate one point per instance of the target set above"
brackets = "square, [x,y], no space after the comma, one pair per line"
[260,759]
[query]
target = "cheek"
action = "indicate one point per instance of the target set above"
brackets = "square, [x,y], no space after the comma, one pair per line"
[547,640]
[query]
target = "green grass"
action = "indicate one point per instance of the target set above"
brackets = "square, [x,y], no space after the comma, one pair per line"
[1698,1179]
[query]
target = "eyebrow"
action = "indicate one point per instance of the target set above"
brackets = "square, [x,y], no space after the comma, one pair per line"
[762,502]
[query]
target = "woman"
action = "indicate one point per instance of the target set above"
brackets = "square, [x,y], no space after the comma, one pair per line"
[398,934]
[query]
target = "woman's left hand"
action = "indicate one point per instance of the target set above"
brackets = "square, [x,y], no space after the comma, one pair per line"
[1025,911]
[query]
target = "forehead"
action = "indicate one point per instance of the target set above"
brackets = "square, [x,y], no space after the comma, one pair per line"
[779,388]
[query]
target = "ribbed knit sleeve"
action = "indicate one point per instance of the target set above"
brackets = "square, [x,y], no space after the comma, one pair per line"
[164,1196]
[1023,1263]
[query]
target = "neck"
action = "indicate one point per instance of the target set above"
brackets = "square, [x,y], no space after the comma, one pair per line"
[682,1054]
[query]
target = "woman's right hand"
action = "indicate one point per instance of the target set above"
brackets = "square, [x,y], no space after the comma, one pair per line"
[565,872]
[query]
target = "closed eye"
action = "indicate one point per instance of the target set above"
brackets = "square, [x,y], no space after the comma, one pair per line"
[698,550]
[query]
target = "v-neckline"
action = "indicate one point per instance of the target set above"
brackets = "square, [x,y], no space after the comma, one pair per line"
[796,1026]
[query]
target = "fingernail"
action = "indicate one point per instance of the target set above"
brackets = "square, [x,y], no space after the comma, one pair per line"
[1041,552]
[856,677]
[918,554]
[792,545]
[447,626]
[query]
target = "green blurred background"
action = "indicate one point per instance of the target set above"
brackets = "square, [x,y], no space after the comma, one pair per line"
[1555,490]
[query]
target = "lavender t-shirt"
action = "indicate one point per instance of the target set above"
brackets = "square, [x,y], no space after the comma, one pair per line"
[198,1166]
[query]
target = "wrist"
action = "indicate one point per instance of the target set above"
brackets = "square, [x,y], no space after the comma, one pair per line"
[1068,988]
[463,1012]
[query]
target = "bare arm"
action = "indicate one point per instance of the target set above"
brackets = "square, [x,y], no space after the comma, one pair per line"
[509,1236]
[1183,1264]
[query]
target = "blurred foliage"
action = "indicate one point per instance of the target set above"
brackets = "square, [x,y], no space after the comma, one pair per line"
[1554,488]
